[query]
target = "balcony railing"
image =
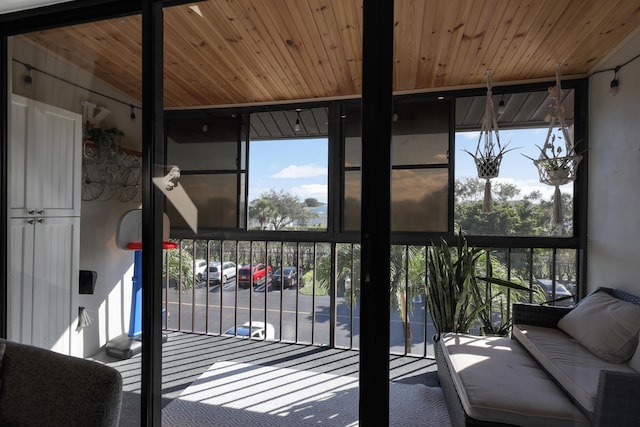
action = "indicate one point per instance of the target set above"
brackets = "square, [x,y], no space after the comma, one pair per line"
[322,305]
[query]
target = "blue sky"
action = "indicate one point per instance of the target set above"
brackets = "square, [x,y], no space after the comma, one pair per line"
[299,166]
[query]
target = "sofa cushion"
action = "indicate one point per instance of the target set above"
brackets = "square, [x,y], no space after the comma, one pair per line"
[498,382]
[605,325]
[574,368]
[44,388]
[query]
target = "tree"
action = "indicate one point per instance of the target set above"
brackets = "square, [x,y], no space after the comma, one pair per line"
[528,216]
[277,210]
[261,210]
[469,190]
[506,191]
[179,265]
[405,282]
[406,268]
[312,202]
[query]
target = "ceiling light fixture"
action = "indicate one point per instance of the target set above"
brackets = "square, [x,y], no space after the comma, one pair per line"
[501,105]
[132,116]
[297,126]
[27,77]
[613,86]
[205,128]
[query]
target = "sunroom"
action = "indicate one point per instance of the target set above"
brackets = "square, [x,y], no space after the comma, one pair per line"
[365,127]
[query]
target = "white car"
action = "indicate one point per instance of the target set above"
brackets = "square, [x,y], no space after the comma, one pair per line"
[258,330]
[212,274]
[200,266]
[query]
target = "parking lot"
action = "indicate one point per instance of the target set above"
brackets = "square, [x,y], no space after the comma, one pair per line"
[296,317]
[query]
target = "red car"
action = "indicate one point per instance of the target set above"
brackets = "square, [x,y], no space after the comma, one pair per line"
[260,274]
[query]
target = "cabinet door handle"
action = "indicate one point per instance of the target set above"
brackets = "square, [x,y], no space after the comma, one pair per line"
[41,212]
[31,212]
[31,221]
[40,220]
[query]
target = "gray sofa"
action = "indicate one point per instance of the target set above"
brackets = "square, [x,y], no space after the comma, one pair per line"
[574,366]
[39,387]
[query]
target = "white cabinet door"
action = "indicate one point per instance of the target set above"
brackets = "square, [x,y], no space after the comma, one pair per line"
[20,289]
[46,156]
[43,285]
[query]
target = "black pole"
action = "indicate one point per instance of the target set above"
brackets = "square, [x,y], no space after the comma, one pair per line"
[152,209]
[4,174]
[377,87]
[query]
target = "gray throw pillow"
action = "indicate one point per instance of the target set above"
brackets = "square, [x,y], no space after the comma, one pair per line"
[604,325]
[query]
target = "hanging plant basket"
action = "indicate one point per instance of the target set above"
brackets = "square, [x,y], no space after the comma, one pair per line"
[558,171]
[558,161]
[488,167]
[489,150]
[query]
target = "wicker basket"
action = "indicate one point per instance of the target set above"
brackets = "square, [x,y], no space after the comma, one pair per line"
[488,167]
[558,170]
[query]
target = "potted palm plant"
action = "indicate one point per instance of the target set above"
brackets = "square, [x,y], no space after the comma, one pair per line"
[457,296]
[450,280]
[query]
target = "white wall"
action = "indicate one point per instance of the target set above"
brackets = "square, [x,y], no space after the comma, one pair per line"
[614,174]
[110,305]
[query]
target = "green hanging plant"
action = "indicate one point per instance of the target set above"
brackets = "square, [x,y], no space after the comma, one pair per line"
[105,138]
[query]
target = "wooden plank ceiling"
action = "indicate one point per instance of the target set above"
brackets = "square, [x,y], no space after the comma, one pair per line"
[231,52]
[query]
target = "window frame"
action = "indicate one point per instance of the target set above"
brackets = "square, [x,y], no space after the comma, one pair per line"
[336,140]
[578,240]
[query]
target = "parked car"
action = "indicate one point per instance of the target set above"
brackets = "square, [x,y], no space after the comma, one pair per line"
[253,275]
[200,265]
[562,293]
[254,329]
[212,274]
[288,275]
[572,287]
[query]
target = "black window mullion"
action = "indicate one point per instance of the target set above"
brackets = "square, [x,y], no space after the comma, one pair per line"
[153,160]
[4,174]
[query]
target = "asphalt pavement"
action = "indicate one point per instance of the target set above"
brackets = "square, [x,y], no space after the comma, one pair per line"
[200,312]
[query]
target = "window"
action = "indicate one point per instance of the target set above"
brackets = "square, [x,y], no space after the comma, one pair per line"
[206,151]
[288,170]
[282,168]
[522,205]
[420,174]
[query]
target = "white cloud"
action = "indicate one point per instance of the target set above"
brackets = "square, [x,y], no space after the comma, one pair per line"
[526,186]
[304,171]
[469,135]
[316,191]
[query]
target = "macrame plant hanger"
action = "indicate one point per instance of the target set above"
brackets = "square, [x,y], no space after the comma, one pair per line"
[557,163]
[489,151]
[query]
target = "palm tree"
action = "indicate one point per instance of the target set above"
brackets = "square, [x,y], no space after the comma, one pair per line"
[406,278]
[404,281]
[261,210]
